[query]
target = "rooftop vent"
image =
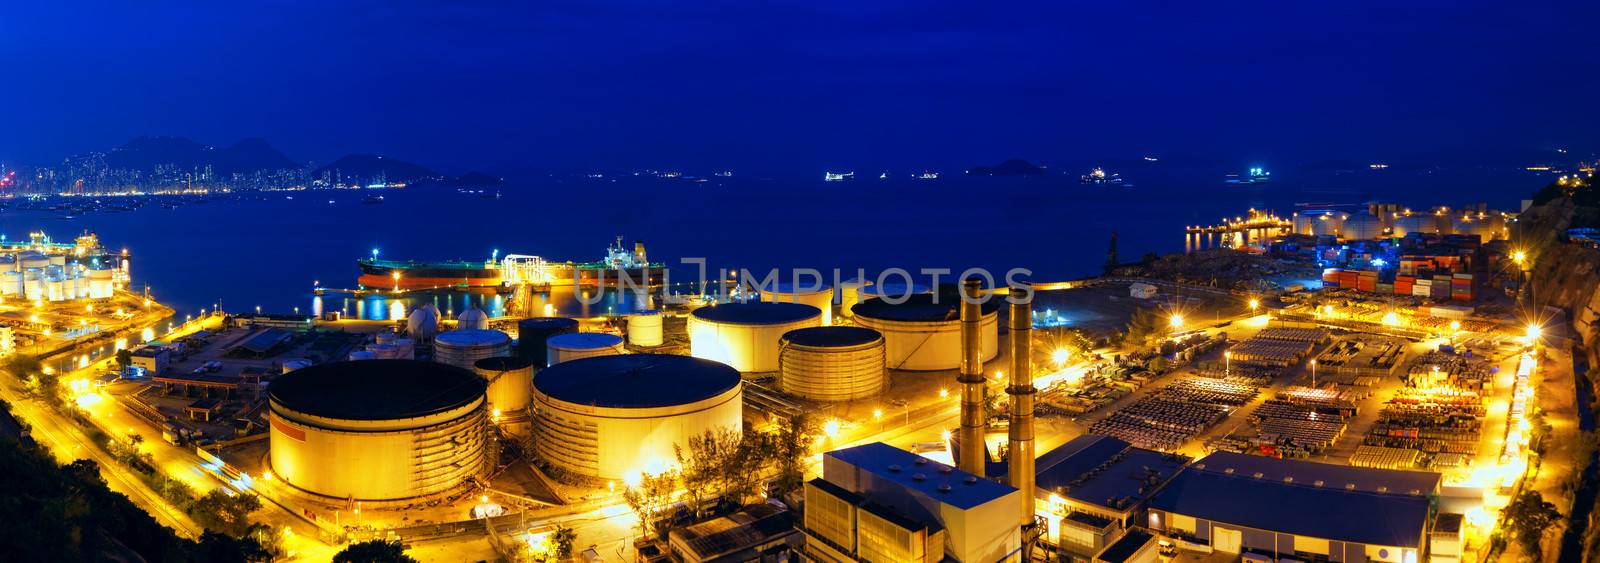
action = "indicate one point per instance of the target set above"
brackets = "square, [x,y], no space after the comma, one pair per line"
[918,477]
[1318,482]
[1258,474]
[1349,486]
[946,469]
[921,461]
[894,467]
[1289,479]
[1228,471]
[970,480]
[944,487]
[1383,489]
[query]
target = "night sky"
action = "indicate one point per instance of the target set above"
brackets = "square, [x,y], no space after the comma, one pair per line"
[797,87]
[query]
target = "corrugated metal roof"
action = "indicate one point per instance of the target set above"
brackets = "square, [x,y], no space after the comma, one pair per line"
[939,481]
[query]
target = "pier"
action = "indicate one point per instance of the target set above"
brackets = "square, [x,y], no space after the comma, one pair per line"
[1236,232]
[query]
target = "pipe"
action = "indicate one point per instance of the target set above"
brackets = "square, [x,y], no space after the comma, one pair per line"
[1020,453]
[971,379]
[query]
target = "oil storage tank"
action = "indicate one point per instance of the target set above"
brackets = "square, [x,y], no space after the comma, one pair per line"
[510,393]
[612,417]
[1362,226]
[568,347]
[533,333]
[820,297]
[850,294]
[645,329]
[461,348]
[924,332]
[746,335]
[377,430]
[832,363]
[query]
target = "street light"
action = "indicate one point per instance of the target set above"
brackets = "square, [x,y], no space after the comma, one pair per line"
[1176,320]
[1254,304]
[1227,362]
[1313,373]
[1059,356]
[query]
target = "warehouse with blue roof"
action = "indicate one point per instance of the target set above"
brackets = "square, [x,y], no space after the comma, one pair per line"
[1237,503]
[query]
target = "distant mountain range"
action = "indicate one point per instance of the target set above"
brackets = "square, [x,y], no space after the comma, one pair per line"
[253,155]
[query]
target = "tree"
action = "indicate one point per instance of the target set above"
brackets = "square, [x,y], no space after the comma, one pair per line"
[650,500]
[1529,517]
[374,551]
[557,546]
[229,514]
[791,447]
[124,358]
[1144,326]
[703,462]
[221,548]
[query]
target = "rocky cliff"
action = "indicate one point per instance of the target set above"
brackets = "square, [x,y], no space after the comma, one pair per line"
[1564,275]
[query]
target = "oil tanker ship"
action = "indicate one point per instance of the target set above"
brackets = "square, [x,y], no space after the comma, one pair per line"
[619,264]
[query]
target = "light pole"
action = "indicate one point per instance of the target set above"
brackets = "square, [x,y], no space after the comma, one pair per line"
[1313,373]
[1227,363]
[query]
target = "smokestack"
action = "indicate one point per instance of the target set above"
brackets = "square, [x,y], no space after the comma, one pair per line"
[1019,455]
[971,379]
[638,251]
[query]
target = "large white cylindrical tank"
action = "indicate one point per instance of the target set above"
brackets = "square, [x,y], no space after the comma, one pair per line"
[1362,226]
[461,348]
[924,333]
[1329,223]
[33,287]
[819,297]
[746,335]
[850,294]
[833,363]
[645,329]
[100,284]
[58,260]
[510,380]
[378,430]
[1304,223]
[10,283]
[612,417]
[34,259]
[890,290]
[1416,223]
[575,345]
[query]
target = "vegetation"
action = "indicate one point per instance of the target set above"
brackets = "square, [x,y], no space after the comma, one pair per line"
[124,358]
[651,501]
[792,445]
[1145,326]
[39,384]
[1529,517]
[66,513]
[374,551]
[229,514]
[557,546]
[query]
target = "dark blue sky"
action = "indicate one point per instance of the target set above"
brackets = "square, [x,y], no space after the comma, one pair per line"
[761,86]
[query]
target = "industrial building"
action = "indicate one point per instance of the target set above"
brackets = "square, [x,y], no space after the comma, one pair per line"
[378,429]
[875,502]
[832,363]
[923,333]
[1093,489]
[1238,503]
[611,417]
[746,335]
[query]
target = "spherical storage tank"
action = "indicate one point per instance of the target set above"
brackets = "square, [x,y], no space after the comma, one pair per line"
[532,334]
[461,348]
[644,329]
[746,335]
[568,347]
[423,322]
[472,319]
[924,332]
[377,429]
[610,417]
[820,297]
[832,363]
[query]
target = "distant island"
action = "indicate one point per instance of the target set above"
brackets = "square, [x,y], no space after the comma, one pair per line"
[1013,167]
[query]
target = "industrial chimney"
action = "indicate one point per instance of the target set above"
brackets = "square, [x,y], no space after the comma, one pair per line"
[971,378]
[1019,457]
[638,251]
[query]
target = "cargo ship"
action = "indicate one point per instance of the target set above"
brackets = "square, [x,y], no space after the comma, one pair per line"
[618,264]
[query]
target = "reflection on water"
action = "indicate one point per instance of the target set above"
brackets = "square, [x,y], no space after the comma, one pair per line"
[564,302]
